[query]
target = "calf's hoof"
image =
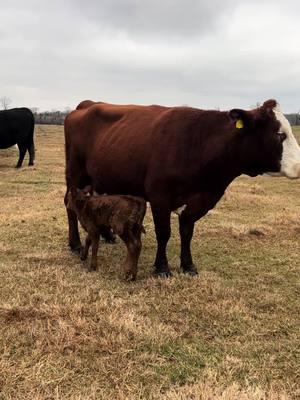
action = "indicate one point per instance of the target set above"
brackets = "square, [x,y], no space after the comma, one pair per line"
[92,268]
[83,256]
[130,277]
[190,270]
[162,271]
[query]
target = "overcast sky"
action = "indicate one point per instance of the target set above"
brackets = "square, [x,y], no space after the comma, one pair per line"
[207,54]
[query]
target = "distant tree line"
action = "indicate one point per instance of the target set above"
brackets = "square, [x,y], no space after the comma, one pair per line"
[54,117]
[294,119]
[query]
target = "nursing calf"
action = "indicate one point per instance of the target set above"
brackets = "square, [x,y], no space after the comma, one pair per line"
[123,214]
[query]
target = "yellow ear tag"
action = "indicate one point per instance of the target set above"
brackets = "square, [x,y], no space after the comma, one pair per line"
[239,124]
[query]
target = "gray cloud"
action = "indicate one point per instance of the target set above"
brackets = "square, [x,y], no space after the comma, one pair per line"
[175,19]
[206,54]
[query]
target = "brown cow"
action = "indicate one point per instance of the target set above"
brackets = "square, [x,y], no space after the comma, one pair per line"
[124,214]
[86,104]
[174,156]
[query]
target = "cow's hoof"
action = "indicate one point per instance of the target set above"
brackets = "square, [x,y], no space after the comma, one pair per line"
[77,249]
[111,240]
[162,272]
[190,270]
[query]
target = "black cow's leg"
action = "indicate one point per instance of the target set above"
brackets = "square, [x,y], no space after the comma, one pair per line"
[186,229]
[22,151]
[74,238]
[162,224]
[31,152]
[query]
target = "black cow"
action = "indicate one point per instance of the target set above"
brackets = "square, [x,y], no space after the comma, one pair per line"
[17,127]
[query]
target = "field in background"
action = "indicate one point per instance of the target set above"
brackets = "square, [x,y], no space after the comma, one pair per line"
[230,333]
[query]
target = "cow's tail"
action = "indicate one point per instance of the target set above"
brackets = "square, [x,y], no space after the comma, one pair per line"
[31,147]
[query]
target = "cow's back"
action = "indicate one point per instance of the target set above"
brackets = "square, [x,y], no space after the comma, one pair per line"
[114,144]
[16,124]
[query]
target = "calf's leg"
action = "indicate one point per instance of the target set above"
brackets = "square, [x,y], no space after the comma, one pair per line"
[95,246]
[85,250]
[134,245]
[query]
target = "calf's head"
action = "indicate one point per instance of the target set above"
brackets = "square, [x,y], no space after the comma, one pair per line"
[76,197]
[266,141]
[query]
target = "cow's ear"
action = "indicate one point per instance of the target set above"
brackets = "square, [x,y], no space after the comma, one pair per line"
[239,117]
[270,104]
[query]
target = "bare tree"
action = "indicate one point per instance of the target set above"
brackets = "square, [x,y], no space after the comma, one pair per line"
[5,102]
[67,110]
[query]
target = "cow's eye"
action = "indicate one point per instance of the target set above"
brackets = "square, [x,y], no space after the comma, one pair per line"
[282,136]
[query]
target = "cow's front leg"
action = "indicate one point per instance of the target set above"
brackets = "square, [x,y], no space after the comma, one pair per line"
[186,229]
[161,217]
[74,238]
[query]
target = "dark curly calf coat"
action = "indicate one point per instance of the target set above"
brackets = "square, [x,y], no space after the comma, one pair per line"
[123,214]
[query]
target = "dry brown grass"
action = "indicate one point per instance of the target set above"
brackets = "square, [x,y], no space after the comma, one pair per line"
[231,333]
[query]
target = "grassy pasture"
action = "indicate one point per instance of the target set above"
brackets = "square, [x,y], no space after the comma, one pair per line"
[230,333]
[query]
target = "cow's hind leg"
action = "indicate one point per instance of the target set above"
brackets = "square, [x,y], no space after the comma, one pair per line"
[31,152]
[22,151]
[161,217]
[186,229]
[74,237]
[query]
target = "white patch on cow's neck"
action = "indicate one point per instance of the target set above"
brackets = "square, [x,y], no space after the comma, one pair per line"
[290,161]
